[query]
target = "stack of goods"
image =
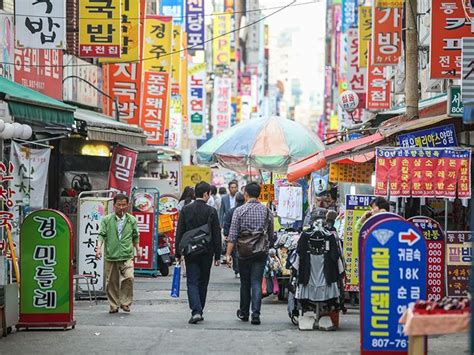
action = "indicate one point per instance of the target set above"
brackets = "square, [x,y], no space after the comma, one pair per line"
[286,242]
[448,305]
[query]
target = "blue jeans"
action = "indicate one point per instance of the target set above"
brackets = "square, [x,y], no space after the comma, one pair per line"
[251,275]
[198,271]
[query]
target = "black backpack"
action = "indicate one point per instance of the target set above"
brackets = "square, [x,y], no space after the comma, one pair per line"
[197,241]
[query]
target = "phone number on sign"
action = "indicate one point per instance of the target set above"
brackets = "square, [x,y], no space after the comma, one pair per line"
[384,343]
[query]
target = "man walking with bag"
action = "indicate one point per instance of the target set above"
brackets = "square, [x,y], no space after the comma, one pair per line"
[198,240]
[251,232]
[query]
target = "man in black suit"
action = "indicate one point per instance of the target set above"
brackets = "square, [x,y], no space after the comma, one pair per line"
[228,201]
[198,268]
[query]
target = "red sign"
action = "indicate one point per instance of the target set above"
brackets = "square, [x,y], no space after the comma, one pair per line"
[449,26]
[146,227]
[122,169]
[123,81]
[423,172]
[378,88]
[40,70]
[154,106]
[386,36]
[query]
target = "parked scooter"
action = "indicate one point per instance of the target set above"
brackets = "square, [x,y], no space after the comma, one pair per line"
[164,251]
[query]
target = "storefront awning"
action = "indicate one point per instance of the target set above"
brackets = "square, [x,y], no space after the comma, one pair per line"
[104,128]
[360,150]
[33,107]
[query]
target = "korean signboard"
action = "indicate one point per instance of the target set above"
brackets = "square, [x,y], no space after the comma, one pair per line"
[435,249]
[365,33]
[175,131]
[175,9]
[79,91]
[442,136]
[100,29]
[197,100]
[221,45]
[446,44]
[123,81]
[172,168]
[154,106]
[195,26]
[169,208]
[193,174]
[467,77]
[148,243]
[423,172]
[40,24]
[455,103]
[351,173]
[40,70]
[394,256]
[46,269]
[267,193]
[458,262]
[349,14]
[386,36]
[122,169]
[356,206]
[378,88]
[6,198]
[176,58]
[7,46]
[130,41]
[90,213]
[356,76]
[222,110]
[157,42]
[389,3]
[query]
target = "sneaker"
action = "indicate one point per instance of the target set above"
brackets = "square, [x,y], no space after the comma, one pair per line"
[242,317]
[237,276]
[195,319]
[255,319]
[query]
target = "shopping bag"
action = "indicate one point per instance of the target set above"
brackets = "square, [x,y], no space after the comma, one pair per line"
[276,289]
[175,285]
[264,287]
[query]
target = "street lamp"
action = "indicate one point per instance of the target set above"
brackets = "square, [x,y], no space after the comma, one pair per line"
[115,101]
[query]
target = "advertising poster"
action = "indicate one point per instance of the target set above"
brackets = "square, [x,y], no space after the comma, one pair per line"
[356,206]
[169,206]
[360,173]
[193,174]
[458,262]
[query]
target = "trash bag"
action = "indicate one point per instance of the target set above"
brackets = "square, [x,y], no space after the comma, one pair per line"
[176,284]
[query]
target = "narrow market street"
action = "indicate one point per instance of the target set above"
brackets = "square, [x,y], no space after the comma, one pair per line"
[158,324]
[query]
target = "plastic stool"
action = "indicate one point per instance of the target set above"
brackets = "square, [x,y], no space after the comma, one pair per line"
[87,279]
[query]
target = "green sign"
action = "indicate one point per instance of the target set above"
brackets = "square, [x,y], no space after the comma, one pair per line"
[45,261]
[455,105]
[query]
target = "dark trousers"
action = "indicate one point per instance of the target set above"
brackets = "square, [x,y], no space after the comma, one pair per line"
[235,262]
[251,275]
[198,271]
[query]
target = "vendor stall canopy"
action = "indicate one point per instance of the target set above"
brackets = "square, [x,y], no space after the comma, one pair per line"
[33,107]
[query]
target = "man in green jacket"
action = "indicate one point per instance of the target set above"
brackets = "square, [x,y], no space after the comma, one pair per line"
[119,233]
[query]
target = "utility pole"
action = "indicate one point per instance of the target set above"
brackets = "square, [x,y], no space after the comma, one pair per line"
[411,60]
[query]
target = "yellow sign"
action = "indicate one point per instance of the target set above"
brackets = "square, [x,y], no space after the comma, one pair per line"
[389,3]
[351,173]
[183,85]
[193,174]
[176,57]
[130,33]
[221,44]
[157,40]
[100,31]
[365,33]
[267,193]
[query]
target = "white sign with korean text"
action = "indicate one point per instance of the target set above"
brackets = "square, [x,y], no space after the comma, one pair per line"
[467,78]
[40,24]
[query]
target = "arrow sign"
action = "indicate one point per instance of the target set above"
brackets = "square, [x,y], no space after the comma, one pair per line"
[410,237]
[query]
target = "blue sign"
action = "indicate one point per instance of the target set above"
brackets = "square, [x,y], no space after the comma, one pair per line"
[233,117]
[395,275]
[443,136]
[173,8]
[349,14]
[195,26]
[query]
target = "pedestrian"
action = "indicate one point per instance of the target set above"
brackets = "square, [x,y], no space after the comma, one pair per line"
[214,199]
[186,197]
[197,218]
[251,232]
[377,205]
[119,233]
[239,201]
[228,201]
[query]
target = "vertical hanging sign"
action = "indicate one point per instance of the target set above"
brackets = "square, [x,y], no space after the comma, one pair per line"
[175,9]
[386,36]
[378,88]
[222,110]
[197,100]
[195,25]
[158,36]
[365,33]
[221,45]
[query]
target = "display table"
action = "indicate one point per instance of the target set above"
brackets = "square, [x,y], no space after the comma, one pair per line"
[418,326]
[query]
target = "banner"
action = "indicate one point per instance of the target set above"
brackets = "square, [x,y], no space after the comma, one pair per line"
[349,14]
[221,28]
[197,100]
[458,263]
[222,109]
[100,29]
[130,48]
[442,136]
[158,36]
[176,118]
[423,172]
[386,36]
[356,76]
[40,24]
[175,9]
[146,228]
[195,24]
[446,46]
[176,58]
[378,88]
[356,206]
[193,174]
[40,70]
[154,106]
[122,169]
[365,33]
[267,193]
[357,173]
